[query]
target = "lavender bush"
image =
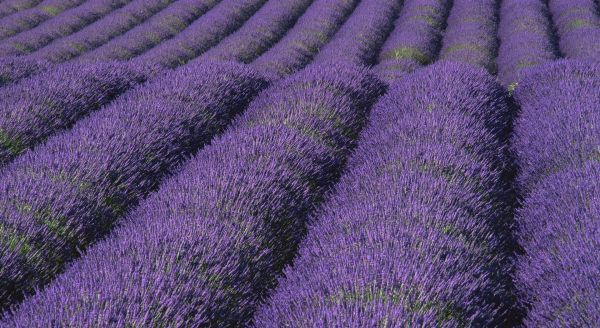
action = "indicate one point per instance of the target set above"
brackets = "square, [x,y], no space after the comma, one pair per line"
[312,31]
[35,108]
[470,36]
[204,249]
[27,19]
[416,233]
[526,39]
[202,34]
[9,7]
[415,40]
[359,39]
[556,139]
[158,28]
[100,32]
[578,25]
[60,198]
[260,32]
[64,24]
[13,69]
[557,125]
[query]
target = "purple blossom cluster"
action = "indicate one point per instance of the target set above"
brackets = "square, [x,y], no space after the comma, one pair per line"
[8,7]
[310,33]
[470,35]
[164,25]
[37,107]
[202,34]
[101,31]
[554,133]
[13,69]
[206,247]
[557,138]
[578,26]
[416,233]
[30,18]
[260,32]
[526,38]
[415,40]
[358,41]
[66,23]
[66,194]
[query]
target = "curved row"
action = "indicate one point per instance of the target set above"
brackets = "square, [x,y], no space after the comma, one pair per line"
[416,232]
[358,41]
[557,138]
[415,40]
[13,69]
[312,31]
[204,249]
[68,193]
[526,38]
[64,24]
[101,31]
[155,30]
[36,108]
[578,26]
[202,34]
[9,7]
[260,32]
[470,35]
[30,18]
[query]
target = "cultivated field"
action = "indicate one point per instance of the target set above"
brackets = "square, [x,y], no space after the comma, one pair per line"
[300,163]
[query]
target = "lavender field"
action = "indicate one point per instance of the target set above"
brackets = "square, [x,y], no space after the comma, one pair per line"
[299,163]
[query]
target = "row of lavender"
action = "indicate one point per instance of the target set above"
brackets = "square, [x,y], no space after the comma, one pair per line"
[470,35]
[8,7]
[67,23]
[204,250]
[27,19]
[475,127]
[557,141]
[95,186]
[415,40]
[416,233]
[44,107]
[39,107]
[162,26]
[136,13]
[430,168]
[63,117]
[69,191]
[526,39]
[365,28]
